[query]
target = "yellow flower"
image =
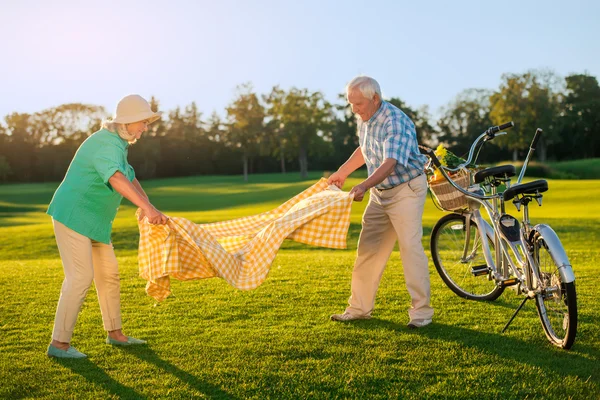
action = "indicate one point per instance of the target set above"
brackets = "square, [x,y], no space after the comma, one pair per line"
[441,152]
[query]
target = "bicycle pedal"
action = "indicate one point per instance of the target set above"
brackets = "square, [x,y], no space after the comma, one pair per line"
[509,282]
[480,270]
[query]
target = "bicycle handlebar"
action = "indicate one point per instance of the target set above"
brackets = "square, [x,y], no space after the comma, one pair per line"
[431,154]
[489,134]
[495,129]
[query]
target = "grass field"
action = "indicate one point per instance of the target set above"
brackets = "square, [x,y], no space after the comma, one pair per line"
[213,341]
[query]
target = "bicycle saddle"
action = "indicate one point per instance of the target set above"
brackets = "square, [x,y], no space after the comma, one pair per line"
[534,187]
[501,171]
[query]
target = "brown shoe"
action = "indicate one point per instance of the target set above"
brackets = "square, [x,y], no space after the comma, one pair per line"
[345,317]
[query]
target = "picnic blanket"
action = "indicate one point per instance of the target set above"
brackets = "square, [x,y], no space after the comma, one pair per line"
[241,250]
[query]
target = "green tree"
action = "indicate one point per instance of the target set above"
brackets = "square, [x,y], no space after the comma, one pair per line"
[464,119]
[278,138]
[182,146]
[67,122]
[21,147]
[223,158]
[5,169]
[305,121]
[246,116]
[157,128]
[344,136]
[580,122]
[532,101]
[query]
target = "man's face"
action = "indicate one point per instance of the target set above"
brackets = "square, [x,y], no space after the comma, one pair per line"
[363,107]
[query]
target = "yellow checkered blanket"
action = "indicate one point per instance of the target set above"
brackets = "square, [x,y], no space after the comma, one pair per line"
[241,250]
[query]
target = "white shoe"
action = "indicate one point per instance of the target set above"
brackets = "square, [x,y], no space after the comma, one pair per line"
[419,323]
[345,317]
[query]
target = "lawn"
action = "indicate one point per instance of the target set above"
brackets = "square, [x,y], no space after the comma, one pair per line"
[213,341]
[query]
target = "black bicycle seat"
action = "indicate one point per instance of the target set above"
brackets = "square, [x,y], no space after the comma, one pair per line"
[501,171]
[534,187]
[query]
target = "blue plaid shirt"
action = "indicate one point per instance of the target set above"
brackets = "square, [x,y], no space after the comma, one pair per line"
[391,134]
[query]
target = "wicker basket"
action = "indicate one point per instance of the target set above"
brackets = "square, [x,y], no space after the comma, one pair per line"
[449,198]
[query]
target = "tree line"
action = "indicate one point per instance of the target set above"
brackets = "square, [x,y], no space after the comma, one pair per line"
[298,130]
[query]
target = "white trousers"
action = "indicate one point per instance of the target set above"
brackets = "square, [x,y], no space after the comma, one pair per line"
[85,260]
[393,214]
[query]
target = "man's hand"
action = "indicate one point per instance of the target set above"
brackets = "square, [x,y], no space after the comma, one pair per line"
[337,179]
[359,192]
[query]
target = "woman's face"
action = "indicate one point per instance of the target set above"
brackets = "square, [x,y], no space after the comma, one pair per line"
[137,128]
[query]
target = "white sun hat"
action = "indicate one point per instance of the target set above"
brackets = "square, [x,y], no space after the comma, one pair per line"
[134,108]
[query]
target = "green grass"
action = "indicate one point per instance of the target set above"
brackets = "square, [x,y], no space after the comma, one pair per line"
[212,341]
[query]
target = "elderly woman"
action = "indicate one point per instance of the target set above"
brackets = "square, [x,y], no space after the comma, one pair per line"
[83,209]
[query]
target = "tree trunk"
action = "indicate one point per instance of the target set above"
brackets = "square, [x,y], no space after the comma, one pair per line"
[303,163]
[245,161]
[515,155]
[282,156]
[543,149]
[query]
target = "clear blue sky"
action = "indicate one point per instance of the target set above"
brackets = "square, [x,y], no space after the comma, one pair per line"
[425,52]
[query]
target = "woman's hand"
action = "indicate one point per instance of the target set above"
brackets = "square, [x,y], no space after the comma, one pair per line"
[140,214]
[154,216]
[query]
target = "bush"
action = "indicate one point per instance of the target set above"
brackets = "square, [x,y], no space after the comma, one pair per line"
[577,169]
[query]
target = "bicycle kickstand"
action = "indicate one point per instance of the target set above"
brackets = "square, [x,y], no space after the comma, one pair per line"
[515,314]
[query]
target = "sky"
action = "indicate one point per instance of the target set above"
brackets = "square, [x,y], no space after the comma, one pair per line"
[424,52]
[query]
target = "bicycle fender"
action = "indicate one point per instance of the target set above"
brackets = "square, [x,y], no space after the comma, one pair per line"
[557,251]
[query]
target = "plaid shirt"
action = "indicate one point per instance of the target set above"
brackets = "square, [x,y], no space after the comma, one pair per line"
[391,134]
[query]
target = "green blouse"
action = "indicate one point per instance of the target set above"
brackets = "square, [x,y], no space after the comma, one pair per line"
[85,202]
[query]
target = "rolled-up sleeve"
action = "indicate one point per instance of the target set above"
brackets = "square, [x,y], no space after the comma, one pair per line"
[108,160]
[399,134]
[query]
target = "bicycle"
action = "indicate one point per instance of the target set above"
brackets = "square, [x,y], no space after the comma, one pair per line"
[537,265]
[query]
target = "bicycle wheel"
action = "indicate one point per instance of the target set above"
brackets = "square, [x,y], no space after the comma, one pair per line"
[557,301]
[448,241]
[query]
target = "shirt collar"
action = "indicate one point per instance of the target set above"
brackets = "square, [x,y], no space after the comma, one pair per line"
[377,113]
[122,141]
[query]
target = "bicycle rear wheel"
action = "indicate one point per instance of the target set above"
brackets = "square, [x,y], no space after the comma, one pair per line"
[557,302]
[461,274]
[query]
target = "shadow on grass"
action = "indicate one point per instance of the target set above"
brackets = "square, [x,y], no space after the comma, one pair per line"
[148,355]
[582,360]
[97,376]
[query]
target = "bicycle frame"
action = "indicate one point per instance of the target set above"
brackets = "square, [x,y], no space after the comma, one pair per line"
[530,259]
[521,250]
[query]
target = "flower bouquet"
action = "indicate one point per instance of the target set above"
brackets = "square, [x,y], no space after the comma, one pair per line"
[448,159]
[447,196]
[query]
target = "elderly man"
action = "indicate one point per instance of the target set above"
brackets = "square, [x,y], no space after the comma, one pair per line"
[388,145]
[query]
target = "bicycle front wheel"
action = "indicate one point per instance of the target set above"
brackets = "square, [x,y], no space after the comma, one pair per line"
[458,257]
[557,301]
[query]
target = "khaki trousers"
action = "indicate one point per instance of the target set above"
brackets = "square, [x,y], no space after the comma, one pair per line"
[393,214]
[85,260]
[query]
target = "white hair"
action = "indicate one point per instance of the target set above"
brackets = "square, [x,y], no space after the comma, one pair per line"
[119,129]
[367,86]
